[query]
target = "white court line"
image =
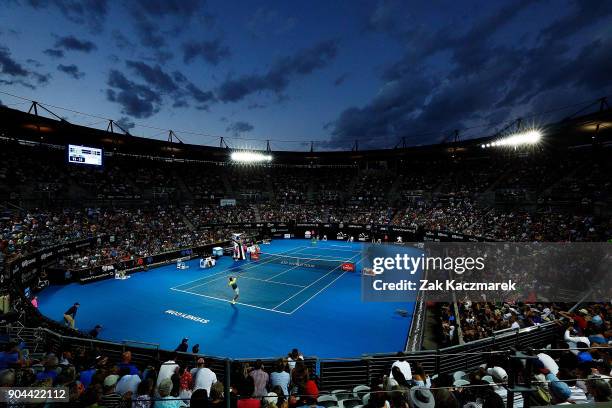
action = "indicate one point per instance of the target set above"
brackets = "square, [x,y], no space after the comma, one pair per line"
[243,271]
[324,287]
[279,274]
[343,246]
[229,301]
[314,257]
[236,266]
[230,268]
[282,283]
[288,299]
[308,259]
[269,281]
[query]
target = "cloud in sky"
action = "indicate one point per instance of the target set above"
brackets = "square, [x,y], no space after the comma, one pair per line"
[278,77]
[159,85]
[136,100]
[71,70]
[71,43]
[53,53]
[239,127]
[86,12]
[212,52]
[14,72]
[392,70]
[487,81]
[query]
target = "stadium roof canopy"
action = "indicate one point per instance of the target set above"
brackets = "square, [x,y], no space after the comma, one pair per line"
[14,124]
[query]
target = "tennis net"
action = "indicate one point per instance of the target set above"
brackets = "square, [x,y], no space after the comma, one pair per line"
[308,262]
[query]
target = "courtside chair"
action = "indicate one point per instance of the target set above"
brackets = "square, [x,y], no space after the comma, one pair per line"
[365,399]
[360,390]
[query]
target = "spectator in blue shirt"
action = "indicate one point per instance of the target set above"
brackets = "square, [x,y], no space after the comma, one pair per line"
[50,371]
[280,377]
[11,356]
[126,362]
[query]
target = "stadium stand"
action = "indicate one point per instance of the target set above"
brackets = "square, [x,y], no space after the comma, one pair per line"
[142,203]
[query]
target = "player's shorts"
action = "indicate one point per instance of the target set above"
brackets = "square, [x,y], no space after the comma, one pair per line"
[237,291]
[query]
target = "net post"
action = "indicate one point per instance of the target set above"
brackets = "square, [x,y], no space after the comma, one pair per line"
[226,384]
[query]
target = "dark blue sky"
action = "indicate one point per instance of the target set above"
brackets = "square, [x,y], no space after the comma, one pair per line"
[326,71]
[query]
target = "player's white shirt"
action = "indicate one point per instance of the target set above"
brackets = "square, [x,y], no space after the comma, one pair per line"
[204,378]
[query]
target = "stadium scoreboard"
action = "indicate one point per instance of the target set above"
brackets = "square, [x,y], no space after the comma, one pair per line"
[84,155]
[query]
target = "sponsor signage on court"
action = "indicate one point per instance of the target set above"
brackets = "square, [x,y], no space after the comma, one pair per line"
[187,316]
[348,267]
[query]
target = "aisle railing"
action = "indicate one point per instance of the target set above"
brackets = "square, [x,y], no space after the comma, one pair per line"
[334,373]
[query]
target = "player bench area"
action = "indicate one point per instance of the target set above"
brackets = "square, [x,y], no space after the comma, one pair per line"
[279,283]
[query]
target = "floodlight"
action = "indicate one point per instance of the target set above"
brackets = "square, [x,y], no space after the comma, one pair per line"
[526,138]
[250,157]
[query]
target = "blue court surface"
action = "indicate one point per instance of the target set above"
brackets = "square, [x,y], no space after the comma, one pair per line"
[315,308]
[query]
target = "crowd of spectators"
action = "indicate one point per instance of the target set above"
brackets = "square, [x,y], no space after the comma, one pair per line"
[121,234]
[94,380]
[575,368]
[371,188]
[455,215]
[294,212]
[165,228]
[435,197]
[25,231]
[434,194]
[202,215]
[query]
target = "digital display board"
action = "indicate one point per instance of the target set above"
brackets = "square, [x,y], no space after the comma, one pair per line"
[84,155]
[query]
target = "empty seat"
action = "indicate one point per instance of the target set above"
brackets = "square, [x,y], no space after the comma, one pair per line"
[350,403]
[360,390]
[327,401]
[342,394]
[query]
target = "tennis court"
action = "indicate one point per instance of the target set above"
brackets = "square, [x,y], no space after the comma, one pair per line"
[280,283]
[282,305]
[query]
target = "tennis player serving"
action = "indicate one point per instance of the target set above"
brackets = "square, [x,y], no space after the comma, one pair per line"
[233,282]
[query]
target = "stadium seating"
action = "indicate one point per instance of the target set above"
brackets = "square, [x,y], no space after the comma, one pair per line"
[152,205]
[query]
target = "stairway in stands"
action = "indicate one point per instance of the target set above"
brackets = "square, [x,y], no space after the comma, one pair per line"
[256,212]
[227,186]
[269,193]
[310,191]
[350,189]
[184,191]
[187,221]
[393,195]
